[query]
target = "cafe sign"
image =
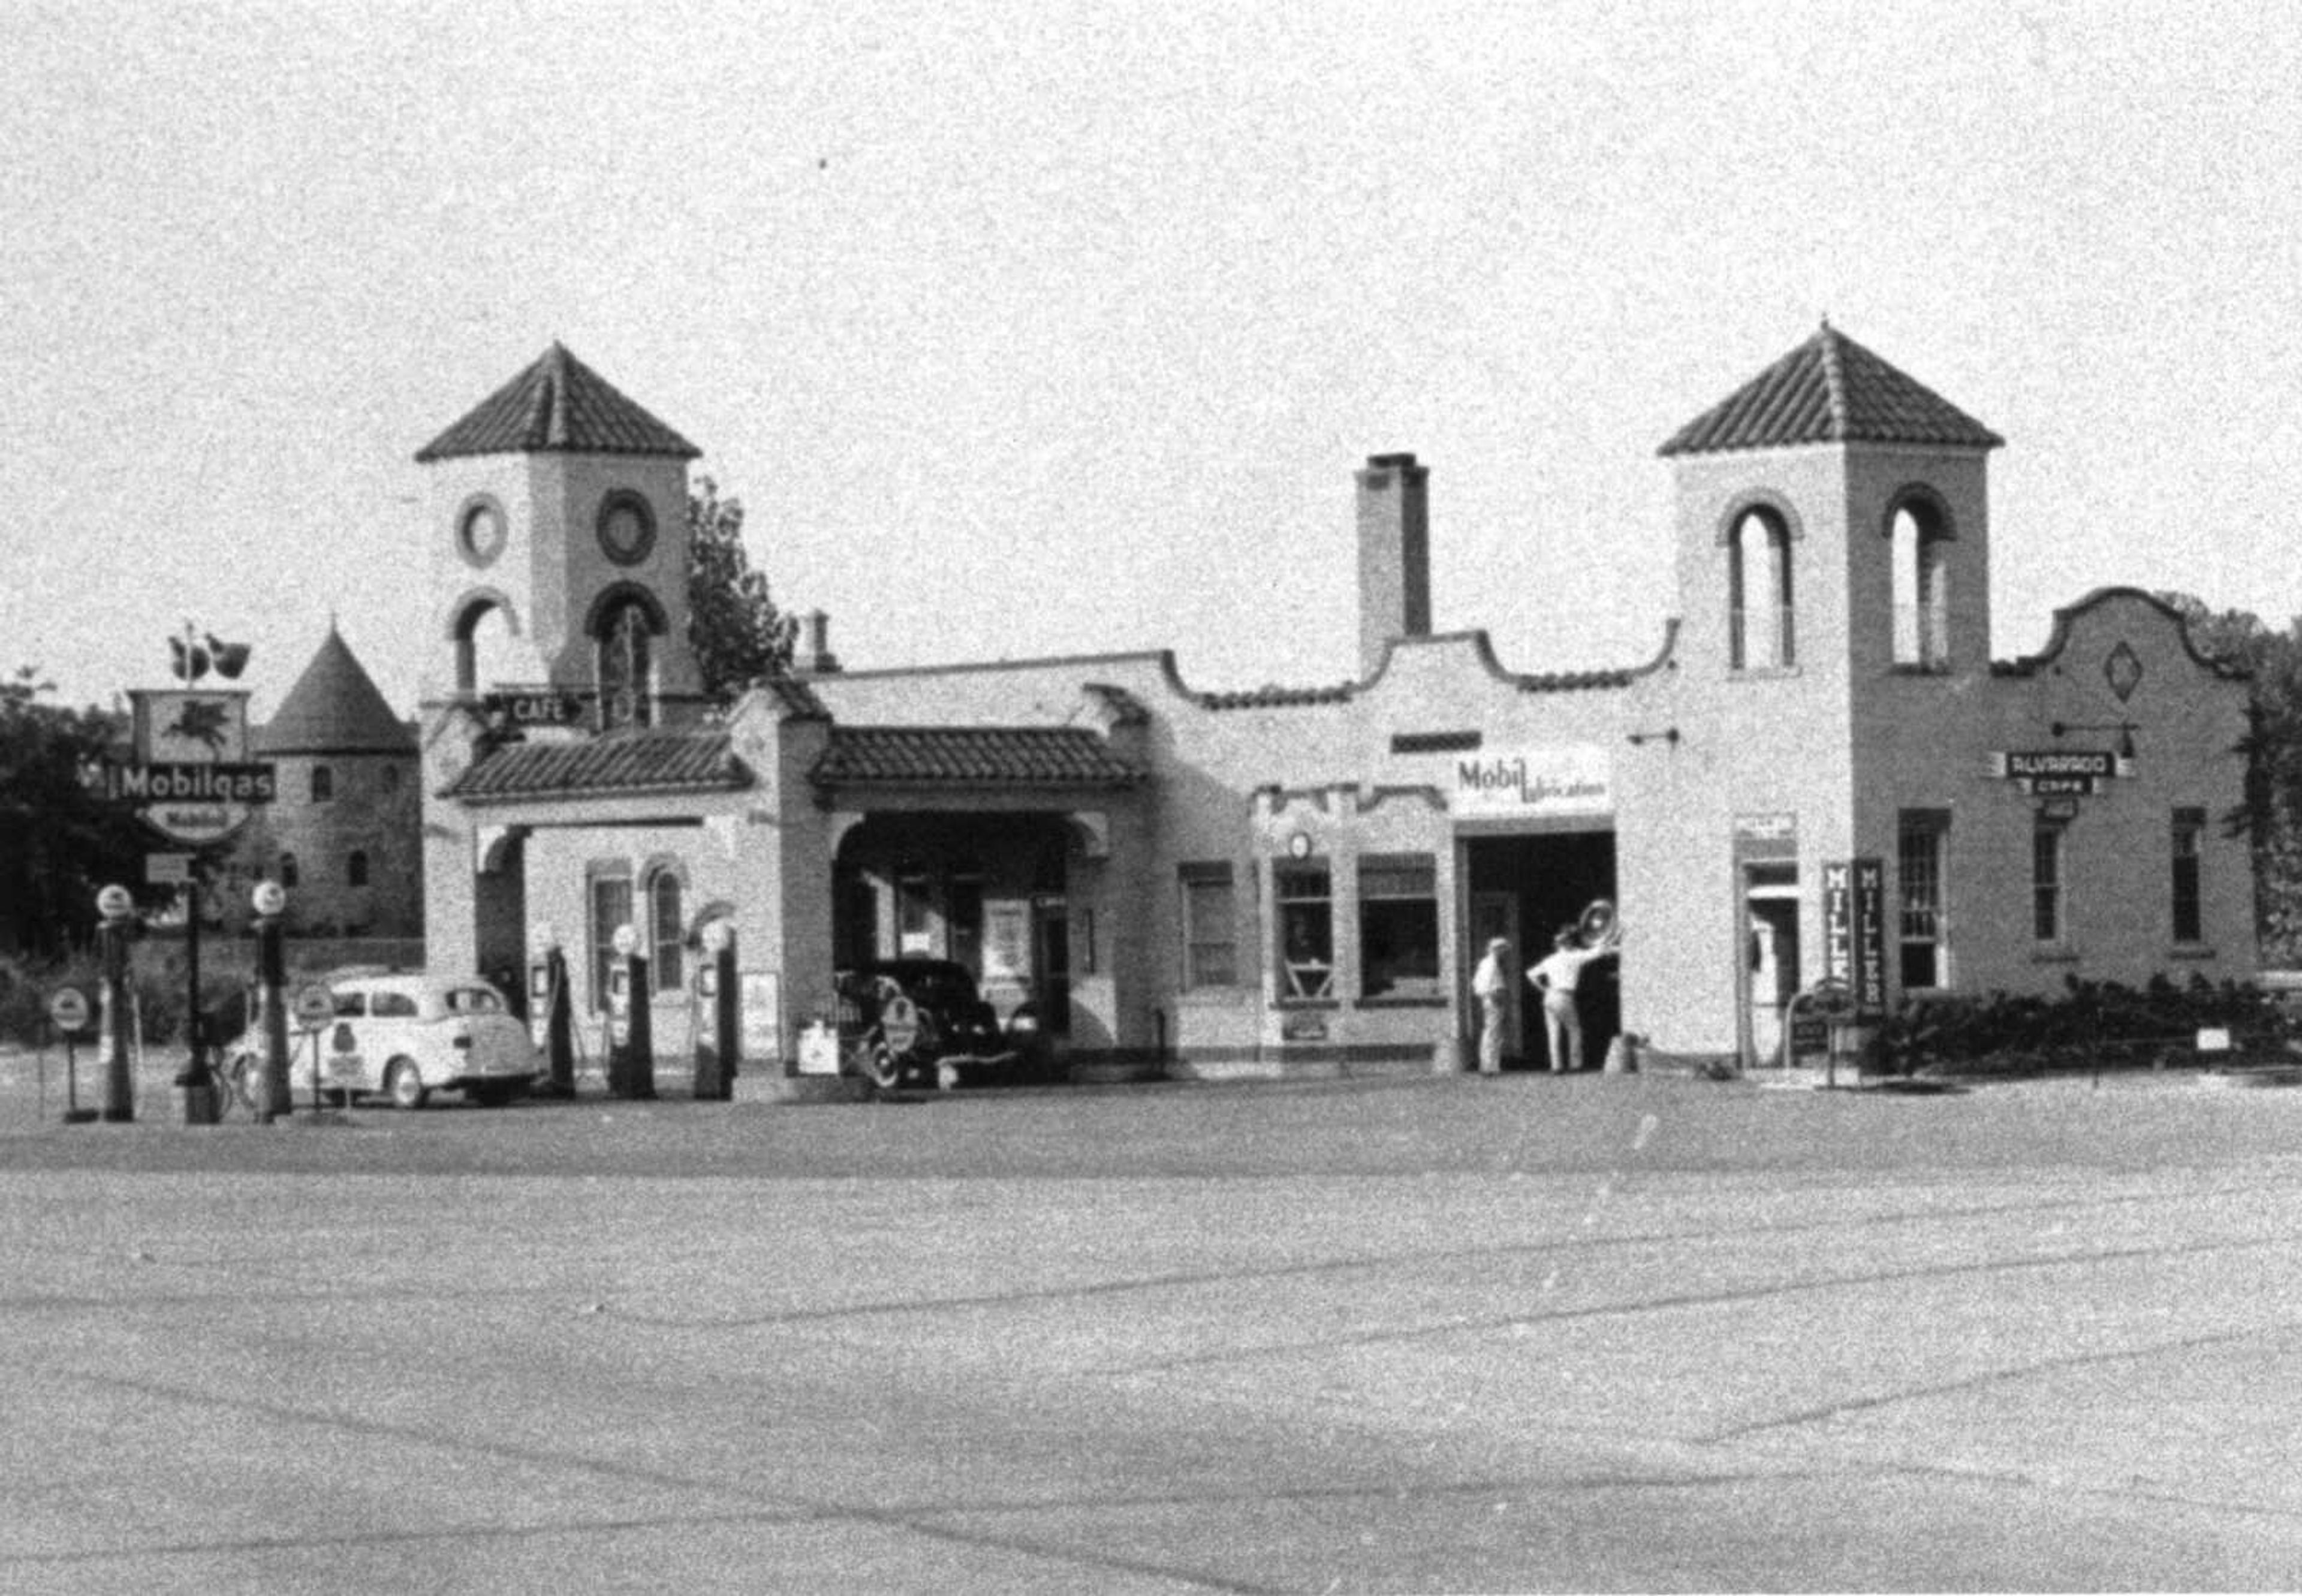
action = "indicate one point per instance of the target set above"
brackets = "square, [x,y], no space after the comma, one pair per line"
[2058,773]
[1574,779]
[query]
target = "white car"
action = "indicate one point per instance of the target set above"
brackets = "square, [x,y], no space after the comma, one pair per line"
[408,1036]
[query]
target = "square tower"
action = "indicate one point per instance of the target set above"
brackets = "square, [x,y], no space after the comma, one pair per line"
[560,514]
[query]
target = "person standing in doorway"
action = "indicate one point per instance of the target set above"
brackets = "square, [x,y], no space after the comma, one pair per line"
[1491,985]
[1557,977]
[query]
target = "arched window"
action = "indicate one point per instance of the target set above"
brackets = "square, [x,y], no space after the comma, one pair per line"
[484,636]
[1920,535]
[1762,623]
[324,783]
[288,875]
[626,667]
[355,868]
[665,924]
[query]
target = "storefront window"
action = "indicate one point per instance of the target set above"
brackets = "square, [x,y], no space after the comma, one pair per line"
[1399,926]
[1306,931]
[1210,926]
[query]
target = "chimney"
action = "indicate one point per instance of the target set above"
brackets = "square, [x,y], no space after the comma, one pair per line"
[812,656]
[1394,556]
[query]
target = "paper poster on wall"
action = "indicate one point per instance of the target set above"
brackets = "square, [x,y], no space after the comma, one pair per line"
[762,1010]
[1007,939]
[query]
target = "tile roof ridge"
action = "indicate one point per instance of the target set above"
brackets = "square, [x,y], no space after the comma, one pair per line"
[1834,377]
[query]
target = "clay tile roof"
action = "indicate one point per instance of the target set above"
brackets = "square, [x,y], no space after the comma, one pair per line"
[334,708]
[1576,681]
[686,760]
[1274,697]
[800,702]
[559,406]
[1830,389]
[971,756]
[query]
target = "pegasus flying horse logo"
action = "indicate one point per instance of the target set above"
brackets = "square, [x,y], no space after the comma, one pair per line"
[207,721]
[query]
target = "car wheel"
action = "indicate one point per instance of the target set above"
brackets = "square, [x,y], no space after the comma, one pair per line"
[879,1063]
[405,1082]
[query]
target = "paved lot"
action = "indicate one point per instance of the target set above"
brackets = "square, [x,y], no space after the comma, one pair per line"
[1432,1335]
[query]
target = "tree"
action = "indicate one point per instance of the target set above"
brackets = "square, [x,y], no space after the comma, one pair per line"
[2270,818]
[58,842]
[734,628]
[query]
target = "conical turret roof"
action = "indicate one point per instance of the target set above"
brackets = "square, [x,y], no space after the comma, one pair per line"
[561,406]
[1830,389]
[335,707]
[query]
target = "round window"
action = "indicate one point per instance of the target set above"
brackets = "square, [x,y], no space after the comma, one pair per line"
[626,529]
[480,533]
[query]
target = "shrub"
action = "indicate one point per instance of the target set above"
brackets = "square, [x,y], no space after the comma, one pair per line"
[2090,1024]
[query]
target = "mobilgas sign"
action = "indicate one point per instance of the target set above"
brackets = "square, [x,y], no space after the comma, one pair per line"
[191,784]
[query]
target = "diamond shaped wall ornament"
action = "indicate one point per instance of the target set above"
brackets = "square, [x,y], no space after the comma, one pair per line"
[2123,671]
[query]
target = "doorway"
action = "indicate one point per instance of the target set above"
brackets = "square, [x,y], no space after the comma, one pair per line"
[1771,964]
[1524,889]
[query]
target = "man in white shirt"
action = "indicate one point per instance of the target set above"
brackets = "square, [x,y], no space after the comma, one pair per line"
[1556,977]
[1491,985]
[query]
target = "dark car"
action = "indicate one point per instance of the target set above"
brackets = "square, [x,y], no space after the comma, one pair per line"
[921,1020]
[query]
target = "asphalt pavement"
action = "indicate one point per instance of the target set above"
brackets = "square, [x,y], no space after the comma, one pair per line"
[1418,1334]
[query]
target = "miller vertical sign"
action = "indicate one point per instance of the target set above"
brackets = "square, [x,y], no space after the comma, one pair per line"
[1869,939]
[1839,923]
[1854,931]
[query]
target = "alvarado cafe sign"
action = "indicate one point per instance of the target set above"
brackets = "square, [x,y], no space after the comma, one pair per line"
[1574,779]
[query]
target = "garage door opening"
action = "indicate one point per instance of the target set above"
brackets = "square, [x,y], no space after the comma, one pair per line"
[1524,888]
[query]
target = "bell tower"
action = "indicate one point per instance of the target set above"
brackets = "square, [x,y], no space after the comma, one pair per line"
[1833,527]
[558,515]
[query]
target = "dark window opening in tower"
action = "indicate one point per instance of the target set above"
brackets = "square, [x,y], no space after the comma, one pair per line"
[483,648]
[627,668]
[1921,548]
[1762,630]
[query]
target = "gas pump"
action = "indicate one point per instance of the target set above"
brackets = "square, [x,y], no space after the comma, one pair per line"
[551,1013]
[120,928]
[271,901]
[718,1040]
[630,1030]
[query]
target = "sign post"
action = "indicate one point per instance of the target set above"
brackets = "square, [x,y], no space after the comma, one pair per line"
[190,781]
[68,1013]
[314,1007]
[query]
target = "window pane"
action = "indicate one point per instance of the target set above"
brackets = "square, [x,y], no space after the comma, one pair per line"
[611,906]
[666,950]
[2047,884]
[1306,938]
[1209,950]
[2188,845]
[1919,864]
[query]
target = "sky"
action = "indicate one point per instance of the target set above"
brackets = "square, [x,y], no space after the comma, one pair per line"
[1028,330]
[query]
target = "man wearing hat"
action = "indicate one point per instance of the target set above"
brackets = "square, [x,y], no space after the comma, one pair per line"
[1491,985]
